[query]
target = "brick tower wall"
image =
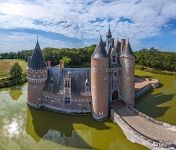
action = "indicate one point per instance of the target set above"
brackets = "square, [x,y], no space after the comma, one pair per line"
[36,82]
[99,88]
[127,80]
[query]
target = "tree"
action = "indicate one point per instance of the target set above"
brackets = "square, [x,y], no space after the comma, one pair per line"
[66,60]
[16,73]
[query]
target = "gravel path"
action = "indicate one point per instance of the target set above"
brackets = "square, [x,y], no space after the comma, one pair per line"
[147,127]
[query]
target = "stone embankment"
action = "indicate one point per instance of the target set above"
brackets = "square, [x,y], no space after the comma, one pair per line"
[142,86]
[142,129]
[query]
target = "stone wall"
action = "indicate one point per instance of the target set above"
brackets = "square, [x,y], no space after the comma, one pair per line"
[146,89]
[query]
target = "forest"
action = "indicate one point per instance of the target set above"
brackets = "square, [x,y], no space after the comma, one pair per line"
[80,57]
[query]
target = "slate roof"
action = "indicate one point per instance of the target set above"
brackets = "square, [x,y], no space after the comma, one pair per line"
[78,78]
[128,51]
[37,61]
[117,47]
[55,81]
[100,51]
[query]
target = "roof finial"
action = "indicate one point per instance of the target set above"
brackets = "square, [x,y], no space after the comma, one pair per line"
[100,38]
[37,38]
[109,32]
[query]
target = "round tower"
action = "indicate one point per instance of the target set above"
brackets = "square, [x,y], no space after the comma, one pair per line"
[127,60]
[37,75]
[99,82]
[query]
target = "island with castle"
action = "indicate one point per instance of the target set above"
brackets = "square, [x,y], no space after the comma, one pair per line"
[108,88]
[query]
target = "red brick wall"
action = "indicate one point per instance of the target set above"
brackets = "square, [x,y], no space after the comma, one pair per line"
[99,88]
[35,88]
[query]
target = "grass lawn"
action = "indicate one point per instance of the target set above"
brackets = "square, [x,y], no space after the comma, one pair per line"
[6,65]
[161,102]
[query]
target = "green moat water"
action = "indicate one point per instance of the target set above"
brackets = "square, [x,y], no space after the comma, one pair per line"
[24,128]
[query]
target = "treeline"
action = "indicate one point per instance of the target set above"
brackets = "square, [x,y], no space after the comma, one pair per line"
[154,58]
[80,57]
[24,54]
[72,57]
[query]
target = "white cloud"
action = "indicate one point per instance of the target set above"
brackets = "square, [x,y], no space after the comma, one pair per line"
[21,41]
[77,18]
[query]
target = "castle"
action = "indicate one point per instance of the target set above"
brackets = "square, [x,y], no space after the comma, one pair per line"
[84,90]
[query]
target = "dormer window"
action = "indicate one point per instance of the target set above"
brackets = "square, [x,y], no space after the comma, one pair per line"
[67,100]
[67,83]
[113,59]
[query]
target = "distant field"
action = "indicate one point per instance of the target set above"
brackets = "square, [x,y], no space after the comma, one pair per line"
[6,65]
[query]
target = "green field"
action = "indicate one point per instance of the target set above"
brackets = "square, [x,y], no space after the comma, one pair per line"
[6,65]
[161,102]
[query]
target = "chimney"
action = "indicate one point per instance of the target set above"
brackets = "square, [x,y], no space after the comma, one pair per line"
[61,65]
[48,63]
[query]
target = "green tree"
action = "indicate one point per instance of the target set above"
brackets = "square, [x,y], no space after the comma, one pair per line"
[66,60]
[16,73]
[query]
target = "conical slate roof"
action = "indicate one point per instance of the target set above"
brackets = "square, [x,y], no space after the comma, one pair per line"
[100,51]
[117,47]
[37,61]
[128,51]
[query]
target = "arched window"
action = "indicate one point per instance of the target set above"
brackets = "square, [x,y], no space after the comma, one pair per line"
[113,59]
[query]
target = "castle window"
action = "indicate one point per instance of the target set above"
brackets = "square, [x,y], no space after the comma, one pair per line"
[67,83]
[41,71]
[36,71]
[113,59]
[100,113]
[115,73]
[67,100]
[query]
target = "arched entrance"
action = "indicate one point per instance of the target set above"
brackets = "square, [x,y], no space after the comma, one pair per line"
[115,95]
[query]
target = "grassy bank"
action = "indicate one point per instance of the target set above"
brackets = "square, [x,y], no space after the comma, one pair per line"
[160,103]
[5,67]
[153,70]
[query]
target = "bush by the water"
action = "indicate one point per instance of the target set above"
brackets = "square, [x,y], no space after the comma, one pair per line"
[16,77]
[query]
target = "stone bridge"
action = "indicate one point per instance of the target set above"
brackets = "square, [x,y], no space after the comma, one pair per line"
[142,129]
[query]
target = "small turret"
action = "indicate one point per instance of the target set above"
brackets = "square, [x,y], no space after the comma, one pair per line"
[99,82]
[109,35]
[37,75]
[127,73]
[109,41]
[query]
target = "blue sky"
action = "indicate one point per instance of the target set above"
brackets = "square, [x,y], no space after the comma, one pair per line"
[78,23]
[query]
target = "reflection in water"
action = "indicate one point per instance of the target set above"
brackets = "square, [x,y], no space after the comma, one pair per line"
[22,128]
[15,92]
[12,129]
[59,128]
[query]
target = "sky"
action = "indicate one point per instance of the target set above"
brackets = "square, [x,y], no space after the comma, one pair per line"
[78,23]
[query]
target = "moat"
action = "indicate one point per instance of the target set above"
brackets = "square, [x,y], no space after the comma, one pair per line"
[24,128]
